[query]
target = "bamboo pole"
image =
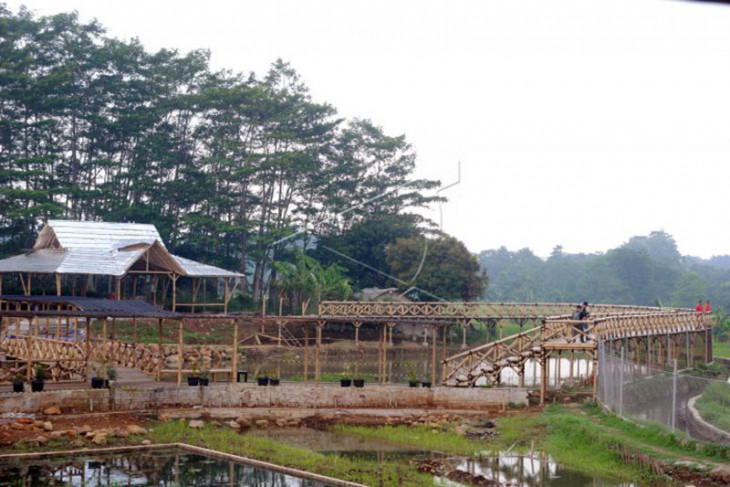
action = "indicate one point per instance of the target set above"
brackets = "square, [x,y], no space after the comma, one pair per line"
[306,352]
[234,369]
[180,353]
[87,346]
[444,335]
[543,380]
[174,278]
[225,296]
[434,344]
[58,284]
[159,349]
[318,346]
[134,325]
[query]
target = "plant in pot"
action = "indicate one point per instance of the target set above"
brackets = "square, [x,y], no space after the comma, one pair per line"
[345,378]
[263,380]
[412,375]
[193,379]
[97,381]
[18,382]
[40,375]
[204,377]
[273,378]
[111,375]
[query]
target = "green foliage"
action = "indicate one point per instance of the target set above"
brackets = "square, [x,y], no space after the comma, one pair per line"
[224,164]
[448,271]
[306,278]
[714,405]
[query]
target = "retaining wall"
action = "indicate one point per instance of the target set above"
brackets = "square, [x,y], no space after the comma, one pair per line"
[121,398]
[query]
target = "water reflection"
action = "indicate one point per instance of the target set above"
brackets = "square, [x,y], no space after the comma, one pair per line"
[154,467]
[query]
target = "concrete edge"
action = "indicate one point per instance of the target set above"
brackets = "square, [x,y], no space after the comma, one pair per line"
[192,449]
[696,416]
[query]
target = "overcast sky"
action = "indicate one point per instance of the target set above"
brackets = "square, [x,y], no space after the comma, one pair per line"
[578,123]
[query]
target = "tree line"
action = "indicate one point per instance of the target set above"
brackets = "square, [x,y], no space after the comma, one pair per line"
[646,270]
[225,164]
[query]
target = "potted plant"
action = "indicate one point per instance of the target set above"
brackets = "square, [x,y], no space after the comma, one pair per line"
[18,382]
[40,375]
[345,379]
[193,379]
[274,378]
[358,382]
[111,375]
[412,375]
[263,380]
[97,381]
[426,384]
[204,377]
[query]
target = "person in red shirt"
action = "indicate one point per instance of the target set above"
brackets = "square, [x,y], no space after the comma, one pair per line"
[708,309]
[698,308]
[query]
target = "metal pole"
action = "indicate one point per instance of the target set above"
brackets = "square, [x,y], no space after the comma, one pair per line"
[621,385]
[674,394]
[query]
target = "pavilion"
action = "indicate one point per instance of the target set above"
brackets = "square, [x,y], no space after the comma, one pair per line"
[131,257]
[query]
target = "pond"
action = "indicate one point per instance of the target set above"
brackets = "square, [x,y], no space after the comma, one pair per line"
[160,467]
[507,468]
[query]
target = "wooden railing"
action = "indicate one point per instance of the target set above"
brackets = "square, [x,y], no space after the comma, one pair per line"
[144,358]
[63,360]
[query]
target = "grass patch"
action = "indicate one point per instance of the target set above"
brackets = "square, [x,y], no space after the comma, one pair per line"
[714,405]
[418,437]
[720,349]
[229,441]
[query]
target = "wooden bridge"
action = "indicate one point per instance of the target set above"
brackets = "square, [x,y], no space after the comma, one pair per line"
[652,334]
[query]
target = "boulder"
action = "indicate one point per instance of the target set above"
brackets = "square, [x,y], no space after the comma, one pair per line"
[100,439]
[77,443]
[41,440]
[721,474]
[262,423]
[6,439]
[58,434]
[24,421]
[19,426]
[52,411]
[47,426]
[232,424]
[243,423]
[135,429]
[84,430]
[280,423]
[196,424]
[146,442]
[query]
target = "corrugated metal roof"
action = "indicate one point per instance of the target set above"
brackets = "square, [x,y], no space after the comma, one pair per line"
[77,234]
[123,307]
[100,248]
[196,269]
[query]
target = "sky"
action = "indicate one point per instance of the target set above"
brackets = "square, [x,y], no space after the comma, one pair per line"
[576,123]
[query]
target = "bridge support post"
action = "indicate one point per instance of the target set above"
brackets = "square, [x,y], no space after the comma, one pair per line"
[234,364]
[595,373]
[306,352]
[180,352]
[545,365]
[463,334]
[357,325]
[317,350]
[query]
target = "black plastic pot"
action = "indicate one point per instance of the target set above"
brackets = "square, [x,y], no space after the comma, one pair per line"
[36,386]
[193,381]
[204,382]
[359,382]
[262,381]
[97,383]
[413,383]
[17,387]
[425,384]
[274,382]
[345,382]
[106,383]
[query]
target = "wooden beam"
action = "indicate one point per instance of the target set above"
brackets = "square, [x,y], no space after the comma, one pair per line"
[434,344]
[58,284]
[234,366]
[87,346]
[180,353]
[318,347]
[174,278]
[134,325]
[306,352]
[159,349]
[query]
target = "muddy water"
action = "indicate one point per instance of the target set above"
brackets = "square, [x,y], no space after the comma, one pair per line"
[529,470]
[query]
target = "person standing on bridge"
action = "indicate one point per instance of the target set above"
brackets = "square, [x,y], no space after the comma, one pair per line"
[576,317]
[698,308]
[708,308]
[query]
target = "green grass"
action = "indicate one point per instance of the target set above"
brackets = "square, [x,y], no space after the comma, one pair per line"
[720,349]
[420,437]
[355,470]
[714,405]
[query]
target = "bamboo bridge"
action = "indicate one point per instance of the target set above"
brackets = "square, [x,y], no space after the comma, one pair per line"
[650,334]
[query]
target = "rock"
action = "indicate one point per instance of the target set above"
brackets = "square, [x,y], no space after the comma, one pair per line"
[121,433]
[196,424]
[6,439]
[280,423]
[146,442]
[262,423]
[233,424]
[38,424]
[216,424]
[52,411]
[243,423]
[164,417]
[84,430]
[41,440]
[58,434]
[721,474]
[134,429]
[24,421]
[19,426]
[47,426]
[294,423]
[460,430]
[77,443]
[100,439]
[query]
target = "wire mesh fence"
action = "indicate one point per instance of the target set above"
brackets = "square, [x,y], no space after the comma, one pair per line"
[668,396]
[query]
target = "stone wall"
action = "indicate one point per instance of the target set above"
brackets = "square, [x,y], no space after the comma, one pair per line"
[251,396]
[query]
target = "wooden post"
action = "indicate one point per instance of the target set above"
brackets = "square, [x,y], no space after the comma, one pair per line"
[234,365]
[281,304]
[103,333]
[155,284]
[30,285]
[278,325]
[444,335]
[306,352]
[381,340]
[134,287]
[76,330]
[543,380]
[134,325]
[161,360]
[434,344]
[87,346]
[114,329]
[118,291]
[180,353]
[58,284]
[463,334]
[357,332]
[225,296]
[174,277]
[317,365]
[595,375]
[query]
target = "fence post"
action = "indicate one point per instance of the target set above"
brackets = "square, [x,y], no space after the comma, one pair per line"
[621,385]
[674,394]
